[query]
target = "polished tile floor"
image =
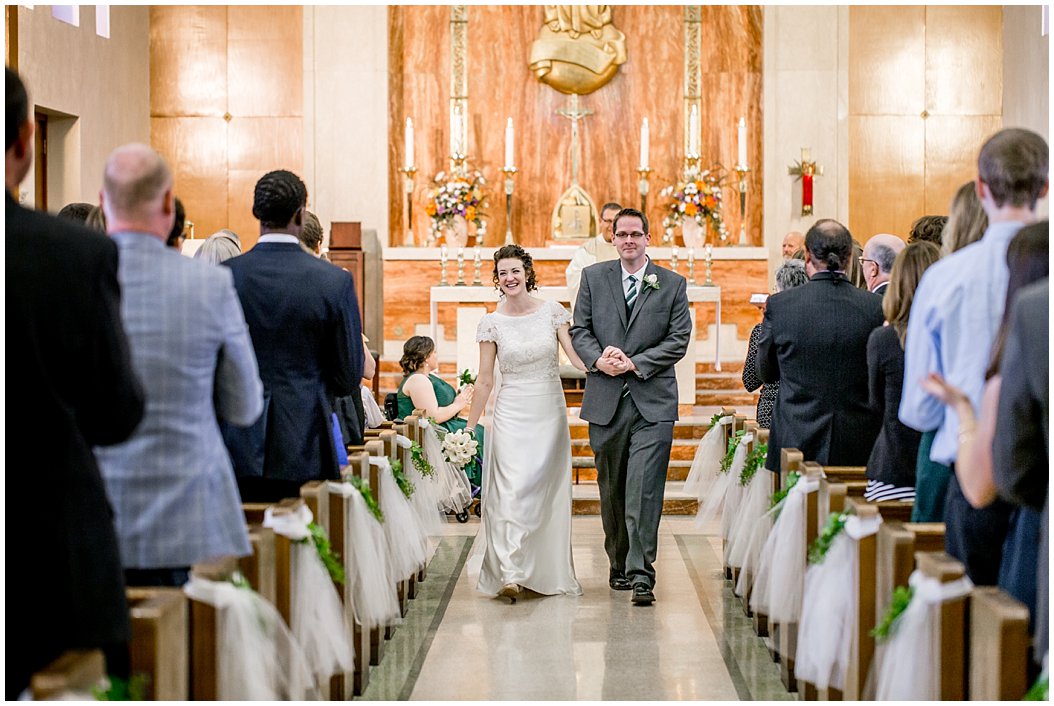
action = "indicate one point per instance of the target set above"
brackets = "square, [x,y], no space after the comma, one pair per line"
[693,644]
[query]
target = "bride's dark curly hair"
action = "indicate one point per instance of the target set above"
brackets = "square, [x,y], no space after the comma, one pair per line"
[515,252]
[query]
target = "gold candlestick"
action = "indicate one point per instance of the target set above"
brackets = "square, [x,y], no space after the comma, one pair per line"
[509,185]
[408,185]
[709,259]
[643,187]
[741,171]
[460,267]
[691,265]
[442,266]
[477,262]
[673,258]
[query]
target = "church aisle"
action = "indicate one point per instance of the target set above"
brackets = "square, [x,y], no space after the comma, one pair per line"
[689,645]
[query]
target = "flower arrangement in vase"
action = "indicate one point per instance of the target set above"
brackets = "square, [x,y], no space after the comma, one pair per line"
[694,204]
[455,201]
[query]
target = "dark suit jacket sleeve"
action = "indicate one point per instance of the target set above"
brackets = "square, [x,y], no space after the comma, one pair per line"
[672,348]
[583,339]
[1019,453]
[875,378]
[238,391]
[345,364]
[767,360]
[114,402]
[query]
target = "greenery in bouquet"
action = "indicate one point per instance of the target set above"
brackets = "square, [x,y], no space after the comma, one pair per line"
[465,378]
[452,195]
[697,198]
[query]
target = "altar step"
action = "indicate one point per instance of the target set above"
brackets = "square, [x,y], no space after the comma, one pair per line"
[585,500]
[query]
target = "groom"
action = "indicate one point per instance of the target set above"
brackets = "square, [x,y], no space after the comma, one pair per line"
[631,326]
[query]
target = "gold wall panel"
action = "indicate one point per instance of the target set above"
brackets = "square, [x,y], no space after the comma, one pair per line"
[964,60]
[886,174]
[179,86]
[649,84]
[887,60]
[952,145]
[265,55]
[196,150]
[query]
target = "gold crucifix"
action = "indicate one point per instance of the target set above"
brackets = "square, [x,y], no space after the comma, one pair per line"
[574,215]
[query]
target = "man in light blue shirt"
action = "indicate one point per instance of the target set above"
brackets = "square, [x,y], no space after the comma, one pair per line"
[954,317]
[171,483]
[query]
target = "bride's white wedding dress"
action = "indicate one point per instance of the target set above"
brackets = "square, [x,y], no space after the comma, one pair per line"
[526,513]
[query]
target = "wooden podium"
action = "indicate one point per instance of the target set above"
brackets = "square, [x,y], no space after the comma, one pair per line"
[345,250]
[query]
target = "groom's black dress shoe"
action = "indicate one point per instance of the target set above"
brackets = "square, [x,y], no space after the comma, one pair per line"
[618,581]
[642,595]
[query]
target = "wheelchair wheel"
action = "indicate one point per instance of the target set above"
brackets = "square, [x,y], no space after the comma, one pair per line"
[462,516]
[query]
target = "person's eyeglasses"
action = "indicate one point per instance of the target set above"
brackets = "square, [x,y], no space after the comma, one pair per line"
[636,235]
[863,259]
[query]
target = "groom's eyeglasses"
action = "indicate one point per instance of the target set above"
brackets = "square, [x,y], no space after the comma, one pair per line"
[636,235]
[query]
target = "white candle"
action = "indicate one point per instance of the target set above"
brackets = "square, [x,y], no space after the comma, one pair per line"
[693,132]
[409,143]
[510,138]
[742,142]
[645,134]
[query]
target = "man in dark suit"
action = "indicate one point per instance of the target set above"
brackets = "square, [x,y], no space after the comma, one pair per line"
[631,326]
[70,386]
[303,318]
[814,341]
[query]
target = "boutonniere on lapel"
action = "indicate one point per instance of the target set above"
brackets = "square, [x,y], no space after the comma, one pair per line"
[651,281]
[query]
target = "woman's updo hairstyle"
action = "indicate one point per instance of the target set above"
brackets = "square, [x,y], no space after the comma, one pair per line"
[415,352]
[515,252]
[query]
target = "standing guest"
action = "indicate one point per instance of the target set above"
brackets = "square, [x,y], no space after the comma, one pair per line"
[790,274]
[311,234]
[597,249]
[792,243]
[175,236]
[219,247]
[77,211]
[891,467]
[953,324]
[814,341]
[171,483]
[70,386]
[967,220]
[854,271]
[96,220]
[877,261]
[928,228]
[303,317]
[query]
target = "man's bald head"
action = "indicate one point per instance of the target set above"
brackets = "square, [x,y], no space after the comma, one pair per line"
[137,191]
[879,253]
[792,242]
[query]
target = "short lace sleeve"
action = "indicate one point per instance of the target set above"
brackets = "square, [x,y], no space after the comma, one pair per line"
[560,315]
[486,330]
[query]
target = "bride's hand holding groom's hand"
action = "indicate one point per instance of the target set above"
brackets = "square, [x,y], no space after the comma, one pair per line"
[614,362]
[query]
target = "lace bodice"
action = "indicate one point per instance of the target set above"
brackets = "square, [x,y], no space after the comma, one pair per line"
[527,345]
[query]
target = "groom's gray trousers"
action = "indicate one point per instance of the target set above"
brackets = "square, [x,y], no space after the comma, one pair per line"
[632,455]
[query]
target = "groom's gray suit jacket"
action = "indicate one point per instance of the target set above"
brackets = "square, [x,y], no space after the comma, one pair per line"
[655,335]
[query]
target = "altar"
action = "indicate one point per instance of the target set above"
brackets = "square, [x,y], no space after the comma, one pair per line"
[468,316]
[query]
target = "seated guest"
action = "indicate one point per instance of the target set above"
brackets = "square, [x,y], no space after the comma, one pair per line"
[220,246]
[814,341]
[891,467]
[77,211]
[967,220]
[790,274]
[175,237]
[877,261]
[421,388]
[1027,261]
[928,228]
[172,484]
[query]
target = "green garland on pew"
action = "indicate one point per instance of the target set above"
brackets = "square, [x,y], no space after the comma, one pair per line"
[405,483]
[733,444]
[754,461]
[818,549]
[901,598]
[1040,691]
[325,552]
[780,494]
[364,489]
[417,455]
[716,419]
[131,689]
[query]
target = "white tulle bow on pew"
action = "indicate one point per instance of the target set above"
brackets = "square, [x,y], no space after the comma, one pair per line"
[706,465]
[758,535]
[780,576]
[374,599]
[425,500]
[829,607]
[455,492]
[407,542]
[317,616]
[725,492]
[753,505]
[258,658]
[905,667]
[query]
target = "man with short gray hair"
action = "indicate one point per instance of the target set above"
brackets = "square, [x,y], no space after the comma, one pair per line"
[171,483]
[877,261]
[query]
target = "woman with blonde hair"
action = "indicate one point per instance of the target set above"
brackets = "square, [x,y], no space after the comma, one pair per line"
[891,468]
[967,221]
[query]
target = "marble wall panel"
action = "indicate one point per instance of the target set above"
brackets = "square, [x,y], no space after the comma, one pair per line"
[650,84]
[181,87]
[195,149]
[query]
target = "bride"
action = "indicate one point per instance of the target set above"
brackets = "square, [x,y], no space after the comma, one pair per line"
[526,512]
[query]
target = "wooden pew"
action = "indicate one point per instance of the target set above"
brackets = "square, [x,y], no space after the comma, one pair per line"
[790,461]
[952,625]
[405,455]
[896,546]
[377,447]
[836,484]
[259,567]
[204,655]
[73,674]
[358,464]
[417,436]
[738,424]
[999,643]
[761,437]
[160,641]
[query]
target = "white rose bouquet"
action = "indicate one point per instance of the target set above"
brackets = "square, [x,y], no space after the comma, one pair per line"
[459,448]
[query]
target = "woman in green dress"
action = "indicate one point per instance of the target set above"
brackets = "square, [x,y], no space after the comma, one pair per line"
[422,389]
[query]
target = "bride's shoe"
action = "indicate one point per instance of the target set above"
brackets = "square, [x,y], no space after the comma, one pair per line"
[510,591]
